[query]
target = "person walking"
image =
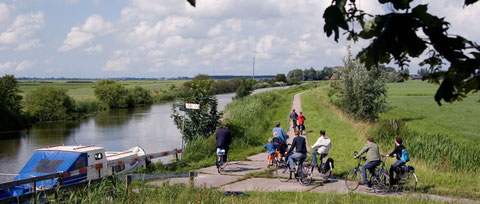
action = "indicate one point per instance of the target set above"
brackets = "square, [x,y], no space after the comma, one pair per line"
[224,138]
[373,158]
[321,147]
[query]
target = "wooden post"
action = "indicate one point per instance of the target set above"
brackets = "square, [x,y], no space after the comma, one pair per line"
[176,155]
[191,175]
[128,180]
[35,191]
[59,185]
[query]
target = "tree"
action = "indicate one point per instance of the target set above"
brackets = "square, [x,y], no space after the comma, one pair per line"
[295,75]
[140,96]
[281,78]
[49,103]
[202,122]
[10,98]
[245,88]
[361,93]
[309,74]
[394,36]
[112,94]
[10,104]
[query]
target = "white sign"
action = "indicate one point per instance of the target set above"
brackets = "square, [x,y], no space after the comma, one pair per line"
[192,106]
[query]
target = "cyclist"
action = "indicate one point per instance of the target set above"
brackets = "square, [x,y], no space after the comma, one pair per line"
[300,147]
[301,120]
[280,138]
[373,158]
[321,147]
[224,138]
[293,118]
[398,153]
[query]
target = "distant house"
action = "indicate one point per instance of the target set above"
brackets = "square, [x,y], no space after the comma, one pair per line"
[326,78]
[334,76]
[416,76]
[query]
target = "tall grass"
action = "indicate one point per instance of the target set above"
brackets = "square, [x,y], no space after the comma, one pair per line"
[106,192]
[438,150]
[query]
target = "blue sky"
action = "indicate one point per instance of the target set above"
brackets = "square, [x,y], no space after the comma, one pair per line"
[165,38]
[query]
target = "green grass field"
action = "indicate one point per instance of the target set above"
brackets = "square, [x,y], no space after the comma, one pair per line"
[348,136]
[413,102]
[84,91]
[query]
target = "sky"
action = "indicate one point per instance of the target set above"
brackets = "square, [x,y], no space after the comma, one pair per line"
[169,38]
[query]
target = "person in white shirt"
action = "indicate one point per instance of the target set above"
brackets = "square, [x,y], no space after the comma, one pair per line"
[321,147]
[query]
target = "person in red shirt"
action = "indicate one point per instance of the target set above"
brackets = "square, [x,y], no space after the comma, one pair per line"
[301,119]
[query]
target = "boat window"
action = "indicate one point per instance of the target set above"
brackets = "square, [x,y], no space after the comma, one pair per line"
[80,163]
[119,168]
[47,165]
[98,156]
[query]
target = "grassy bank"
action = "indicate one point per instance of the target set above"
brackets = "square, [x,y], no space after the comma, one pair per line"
[142,193]
[83,90]
[251,120]
[348,135]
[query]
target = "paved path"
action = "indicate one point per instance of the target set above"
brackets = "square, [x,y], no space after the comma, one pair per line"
[235,176]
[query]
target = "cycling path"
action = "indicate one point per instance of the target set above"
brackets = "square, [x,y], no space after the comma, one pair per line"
[253,175]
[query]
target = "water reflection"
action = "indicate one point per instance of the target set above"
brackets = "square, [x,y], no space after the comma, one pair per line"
[149,127]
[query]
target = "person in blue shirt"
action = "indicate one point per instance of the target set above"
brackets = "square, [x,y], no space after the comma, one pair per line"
[280,137]
[272,152]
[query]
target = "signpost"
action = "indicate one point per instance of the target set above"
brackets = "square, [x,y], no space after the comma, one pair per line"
[187,107]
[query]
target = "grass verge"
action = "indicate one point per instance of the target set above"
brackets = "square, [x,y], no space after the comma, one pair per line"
[348,135]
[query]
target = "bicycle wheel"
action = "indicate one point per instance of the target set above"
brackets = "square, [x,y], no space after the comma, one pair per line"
[306,174]
[325,175]
[224,163]
[410,181]
[283,172]
[352,179]
[383,179]
[219,163]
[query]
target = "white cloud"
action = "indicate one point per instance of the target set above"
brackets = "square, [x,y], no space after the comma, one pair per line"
[6,66]
[4,12]
[94,49]
[118,64]
[28,44]
[24,65]
[207,49]
[94,26]
[23,27]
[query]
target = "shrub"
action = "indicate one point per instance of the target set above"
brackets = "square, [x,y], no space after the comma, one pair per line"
[49,104]
[361,93]
[140,96]
[112,94]
[245,88]
[10,104]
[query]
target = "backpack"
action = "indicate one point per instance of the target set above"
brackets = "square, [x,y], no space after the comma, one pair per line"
[405,158]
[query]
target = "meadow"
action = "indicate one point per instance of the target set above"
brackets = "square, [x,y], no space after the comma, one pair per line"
[433,151]
[83,90]
[413,103]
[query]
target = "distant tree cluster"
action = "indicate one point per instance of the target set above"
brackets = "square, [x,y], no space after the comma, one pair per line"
[115,95]
[311,74]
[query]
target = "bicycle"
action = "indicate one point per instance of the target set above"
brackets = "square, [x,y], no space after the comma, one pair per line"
[379,178]
[304,173]
[406,178]
[325,169]
[221,162]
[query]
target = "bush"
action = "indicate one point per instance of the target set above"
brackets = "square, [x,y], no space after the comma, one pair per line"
[112,94]
[361,93]
[116,96]
[10,104]
[140,96]
[245,88]
[49,104]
